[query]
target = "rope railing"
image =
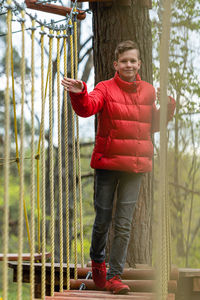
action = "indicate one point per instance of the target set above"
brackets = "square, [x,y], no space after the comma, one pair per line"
[37,159]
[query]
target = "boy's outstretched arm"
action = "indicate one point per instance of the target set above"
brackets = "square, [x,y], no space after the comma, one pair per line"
[84,104]
[72,85]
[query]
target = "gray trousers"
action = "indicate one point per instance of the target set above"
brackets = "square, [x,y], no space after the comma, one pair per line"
[128,185]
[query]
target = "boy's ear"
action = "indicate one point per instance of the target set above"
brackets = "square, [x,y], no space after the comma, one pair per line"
[115,65]
[140,62]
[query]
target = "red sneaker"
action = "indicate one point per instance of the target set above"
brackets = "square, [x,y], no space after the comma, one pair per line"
[116,286]
[99,274]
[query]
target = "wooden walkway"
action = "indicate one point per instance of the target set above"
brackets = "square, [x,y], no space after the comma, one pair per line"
[101,295]
[141,281]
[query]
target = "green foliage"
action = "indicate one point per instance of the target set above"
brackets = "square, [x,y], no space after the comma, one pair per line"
[12,287]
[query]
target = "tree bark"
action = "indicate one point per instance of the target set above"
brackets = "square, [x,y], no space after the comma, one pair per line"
[113,23]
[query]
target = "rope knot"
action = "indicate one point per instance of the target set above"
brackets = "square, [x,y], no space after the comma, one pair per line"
[37,156]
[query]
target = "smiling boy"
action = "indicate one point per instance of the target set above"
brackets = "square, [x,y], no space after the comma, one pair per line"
[127,116]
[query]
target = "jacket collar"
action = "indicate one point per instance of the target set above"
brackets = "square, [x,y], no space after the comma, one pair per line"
[125,85]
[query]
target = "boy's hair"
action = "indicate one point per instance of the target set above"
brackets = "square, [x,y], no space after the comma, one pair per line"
[125,46]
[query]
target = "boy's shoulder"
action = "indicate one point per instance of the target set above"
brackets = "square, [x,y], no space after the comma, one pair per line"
[104,85]
[106,82]
[147,84]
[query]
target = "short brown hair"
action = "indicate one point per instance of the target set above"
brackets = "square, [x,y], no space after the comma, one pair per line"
[125,46]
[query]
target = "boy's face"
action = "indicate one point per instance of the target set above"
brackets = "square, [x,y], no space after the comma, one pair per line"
[128,65]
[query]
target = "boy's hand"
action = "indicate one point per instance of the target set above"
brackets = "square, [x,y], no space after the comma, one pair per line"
[158,96]
[72,85]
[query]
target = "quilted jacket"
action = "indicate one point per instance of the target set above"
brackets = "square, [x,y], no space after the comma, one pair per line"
[127,116]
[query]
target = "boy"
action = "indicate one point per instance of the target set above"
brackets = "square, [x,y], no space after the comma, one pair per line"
[123,151]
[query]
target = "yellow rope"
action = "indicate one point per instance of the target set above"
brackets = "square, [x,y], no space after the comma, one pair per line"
[78,147]
[51,158]
[7,154]
[163,238]
[43,288]
[38,156]
[16,143]
[14,109]
[60,163]
[20,235]
[66,163]
[32,275]
[74,161]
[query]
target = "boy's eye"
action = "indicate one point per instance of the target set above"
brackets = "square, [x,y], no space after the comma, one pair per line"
[125,61]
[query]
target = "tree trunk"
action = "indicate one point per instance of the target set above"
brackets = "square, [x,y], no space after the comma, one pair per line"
[113,23]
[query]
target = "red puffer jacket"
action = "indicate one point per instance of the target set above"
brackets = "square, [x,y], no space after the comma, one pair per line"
[127,116]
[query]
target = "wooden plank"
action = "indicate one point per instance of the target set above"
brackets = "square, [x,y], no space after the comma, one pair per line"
[53,9]
[105,295]
[102,294]
[25,256]
[135,285]
[92,298]
[97,298]
[196,284]
[129,273]
[189,272]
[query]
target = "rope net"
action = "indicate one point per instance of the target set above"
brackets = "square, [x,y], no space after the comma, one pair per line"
[46,228]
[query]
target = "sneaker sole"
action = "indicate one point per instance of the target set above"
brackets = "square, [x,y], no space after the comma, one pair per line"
[121,292]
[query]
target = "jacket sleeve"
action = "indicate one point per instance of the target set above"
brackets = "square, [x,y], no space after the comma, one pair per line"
[156,114]
[86,105]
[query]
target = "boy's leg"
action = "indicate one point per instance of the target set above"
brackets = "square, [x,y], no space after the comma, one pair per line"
[105,185]
[128,191]
[106,182]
